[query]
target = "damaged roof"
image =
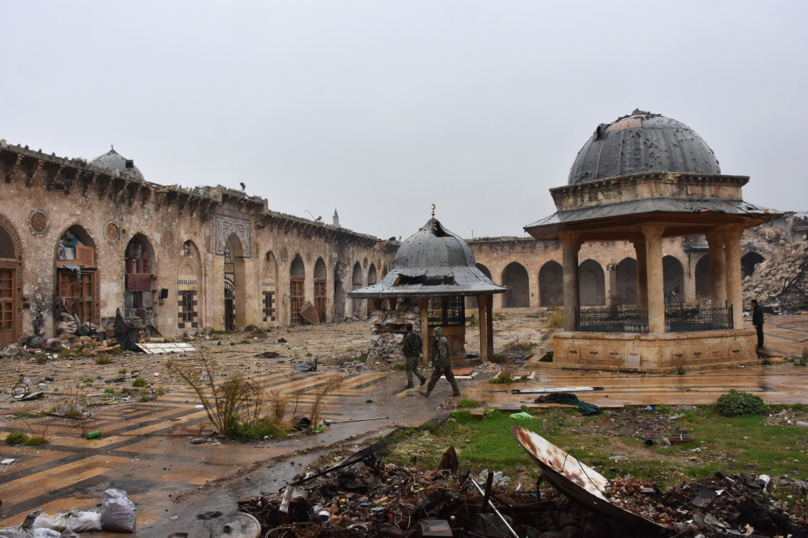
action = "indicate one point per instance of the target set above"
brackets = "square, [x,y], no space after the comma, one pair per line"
[431,262]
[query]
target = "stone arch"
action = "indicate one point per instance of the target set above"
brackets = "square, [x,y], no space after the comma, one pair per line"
[372,279]
[235,287]
[320,286]
[515,276]
[551,284]
[591,284]
[189,287]
[356,283]
[471,300]
[77,286]
[340,292]
[297,294]
[627,289]
[749,262]
[140,265]
[703,288]
[384,271]
[673,277]
[10,284]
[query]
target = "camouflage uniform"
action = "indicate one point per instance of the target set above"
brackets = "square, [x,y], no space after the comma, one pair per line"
[411,347]
[442,362]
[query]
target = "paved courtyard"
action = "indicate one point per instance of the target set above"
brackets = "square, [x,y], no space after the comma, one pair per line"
[145,448]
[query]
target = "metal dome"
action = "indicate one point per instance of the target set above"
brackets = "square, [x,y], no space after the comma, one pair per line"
[642,142]
[431,262]
[115,161]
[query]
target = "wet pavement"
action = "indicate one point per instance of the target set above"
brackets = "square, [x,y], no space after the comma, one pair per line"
[145,448]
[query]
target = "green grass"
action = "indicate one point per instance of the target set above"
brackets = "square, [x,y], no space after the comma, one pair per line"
[16,438]
[399,366]
[109,391]
[36,440]
[87,380]
[26,414]
[103,359]
[261,429]
[139,382]
[245,341]
[362,358]
[465,404]
[730,444]
[122,371]
[309,355]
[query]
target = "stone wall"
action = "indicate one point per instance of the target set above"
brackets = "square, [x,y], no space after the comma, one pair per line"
[187,232]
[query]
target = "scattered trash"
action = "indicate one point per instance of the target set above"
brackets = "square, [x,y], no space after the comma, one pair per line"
[238,525]
[93,435]
[566,398]
[523,416]
[162,349]
[306,366]
[69,521]
[551,390]
[268,355]
[7,461]
[209,515]
[679,439]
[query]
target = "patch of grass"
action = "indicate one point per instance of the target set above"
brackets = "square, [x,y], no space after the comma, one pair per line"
[102,359]
[36,440]
[250,328]
[309,355]
[548,357]
[16,438]
[122,371]
[799,408]
[555,320]
[663,409]
[263,428]
[87,380]
[25,414]
[160,391]
[465,404]
[109,391]
[139,382]
[64,353]
[143,395]
[399,367]
[681,370]
[362,358]
[245,341]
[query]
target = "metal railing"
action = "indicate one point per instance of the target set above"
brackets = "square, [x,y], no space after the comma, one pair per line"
[630,319]
[694,318]
[611,319]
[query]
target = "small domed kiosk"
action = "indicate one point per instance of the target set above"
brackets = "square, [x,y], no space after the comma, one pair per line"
[644,178]
[434,271]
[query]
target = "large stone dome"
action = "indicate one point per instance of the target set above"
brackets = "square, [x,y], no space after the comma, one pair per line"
[642,142]
[434,246]
[115,161]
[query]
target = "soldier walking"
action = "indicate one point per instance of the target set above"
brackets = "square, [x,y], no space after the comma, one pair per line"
[411,347]
[442,364]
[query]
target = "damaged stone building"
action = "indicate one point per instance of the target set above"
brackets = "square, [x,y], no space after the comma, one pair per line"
[87,238]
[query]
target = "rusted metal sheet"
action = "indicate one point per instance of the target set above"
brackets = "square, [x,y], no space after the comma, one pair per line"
[575,479]
[309,313]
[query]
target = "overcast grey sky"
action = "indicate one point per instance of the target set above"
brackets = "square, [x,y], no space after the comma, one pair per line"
[382,108]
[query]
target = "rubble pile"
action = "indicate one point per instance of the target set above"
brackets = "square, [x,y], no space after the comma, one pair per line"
[782,280]
[388,328]
[370,498]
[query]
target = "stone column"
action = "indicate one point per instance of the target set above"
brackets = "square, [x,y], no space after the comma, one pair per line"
[482,302]
[489,321]
[612,295]
[571,242]
[642,274]
[424,305]
[718,268]
[656,292]
[734,274]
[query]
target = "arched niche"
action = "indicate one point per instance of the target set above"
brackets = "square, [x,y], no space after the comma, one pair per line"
[77,285]
[297,278]
[749,262]
[320,287]
[703,286]
[189,287]
[10,284]
[551,284]
[515,276]
[235,296]
[627,291]
[591,284]
[340,292]
[139,266]
[673,276]
[269,273]
[356,283]
[372,279]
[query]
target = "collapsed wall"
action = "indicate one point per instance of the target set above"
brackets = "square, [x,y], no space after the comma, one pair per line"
[780,281]
[388,328]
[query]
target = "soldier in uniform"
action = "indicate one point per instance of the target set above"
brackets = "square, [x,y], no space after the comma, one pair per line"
[411,347]
[442,363]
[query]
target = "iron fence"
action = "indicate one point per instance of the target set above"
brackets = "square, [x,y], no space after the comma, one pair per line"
[694,318]
[447,311]
[611,319]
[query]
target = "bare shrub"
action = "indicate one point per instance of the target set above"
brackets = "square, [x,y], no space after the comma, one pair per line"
[333,383]
[277,406]
[555,320]
[231,405]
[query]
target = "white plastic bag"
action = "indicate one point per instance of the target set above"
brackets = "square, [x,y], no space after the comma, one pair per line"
[73,520]
[117,512]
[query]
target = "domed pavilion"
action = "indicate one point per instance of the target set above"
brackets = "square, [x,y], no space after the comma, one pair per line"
[115,161]
[435,269]
[644,178]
